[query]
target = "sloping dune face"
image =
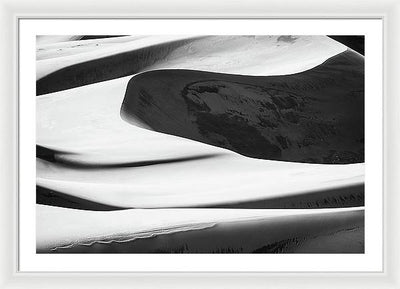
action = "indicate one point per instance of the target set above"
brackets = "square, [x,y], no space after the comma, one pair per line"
[314,116]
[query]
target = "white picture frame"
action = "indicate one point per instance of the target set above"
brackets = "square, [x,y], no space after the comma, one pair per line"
[12,11]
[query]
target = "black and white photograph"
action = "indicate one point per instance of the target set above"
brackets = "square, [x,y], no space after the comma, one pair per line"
[190,144]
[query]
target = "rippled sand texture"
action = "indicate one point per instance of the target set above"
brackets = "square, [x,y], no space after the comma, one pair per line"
[199,144]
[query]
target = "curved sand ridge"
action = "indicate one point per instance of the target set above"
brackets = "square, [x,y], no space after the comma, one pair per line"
[221,180]
[199,230]
[96,134]
[248,55]
[314,116]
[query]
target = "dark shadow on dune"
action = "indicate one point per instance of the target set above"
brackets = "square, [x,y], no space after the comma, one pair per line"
[355,42]
[349,241]
[73,164]
[316,116]
[90,37]
[49,197]
[106,68]
[345,197]
[50,155]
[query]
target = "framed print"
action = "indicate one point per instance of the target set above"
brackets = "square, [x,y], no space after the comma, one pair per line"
[212,146]
[239,141]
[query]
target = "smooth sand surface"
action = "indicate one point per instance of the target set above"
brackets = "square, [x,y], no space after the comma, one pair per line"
[248,55]
[198,230]
[210,181]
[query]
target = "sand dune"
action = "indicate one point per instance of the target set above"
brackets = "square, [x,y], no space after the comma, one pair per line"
[342,197]
[228,144]
[218,180]
[249,55]
[199,230]
[100,158]
[354,42]
[52,198]
[314,116]
[106,63]
[96,134]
